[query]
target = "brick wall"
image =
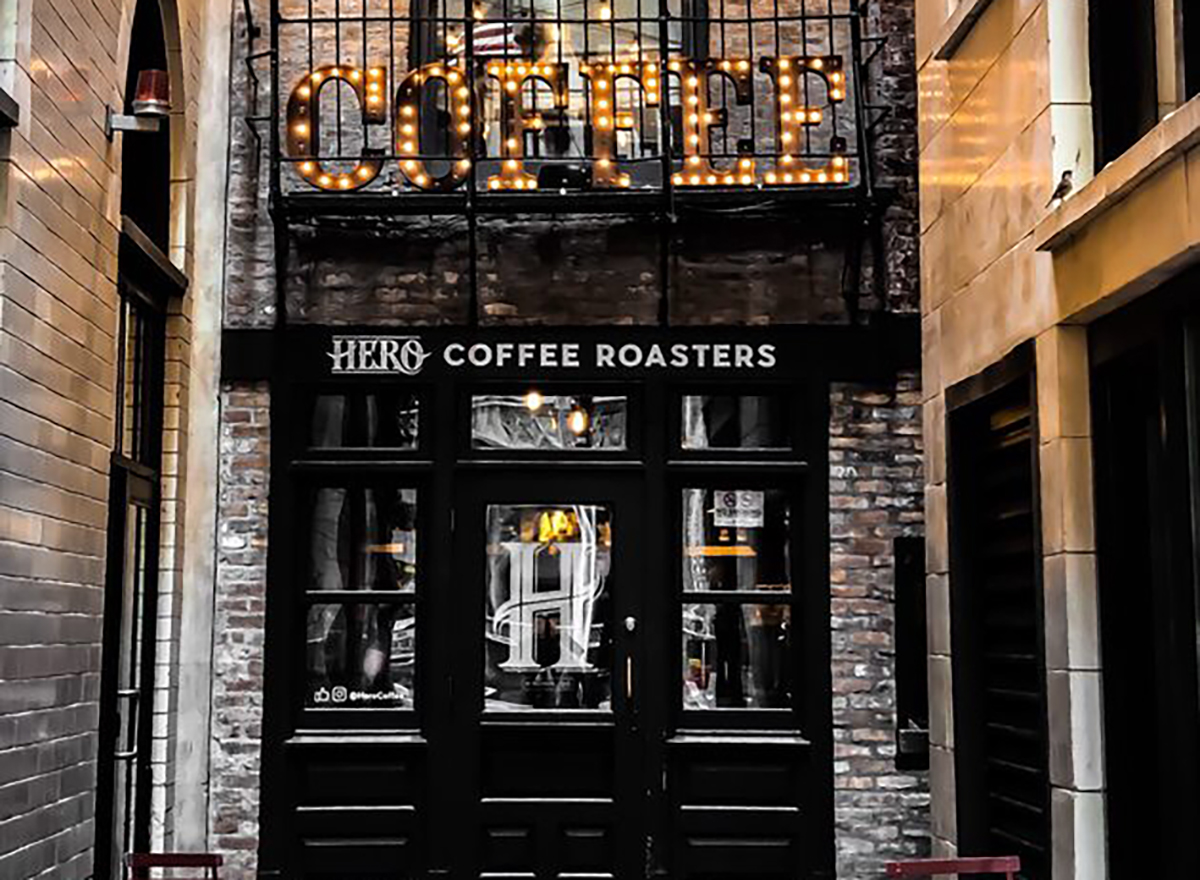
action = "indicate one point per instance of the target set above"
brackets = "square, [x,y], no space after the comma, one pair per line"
[63,62]
[238,626]
[876,488]
[414,271]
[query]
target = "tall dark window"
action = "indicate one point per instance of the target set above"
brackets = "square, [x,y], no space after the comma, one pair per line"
[999,670]
[131,595]
[912,690]
[1124,74]
[1191,49]
[1144,413]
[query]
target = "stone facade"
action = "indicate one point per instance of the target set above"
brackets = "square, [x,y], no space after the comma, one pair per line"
[238,625]
[875,496]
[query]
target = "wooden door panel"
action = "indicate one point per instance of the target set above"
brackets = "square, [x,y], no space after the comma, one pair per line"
[547,761]
[355,813]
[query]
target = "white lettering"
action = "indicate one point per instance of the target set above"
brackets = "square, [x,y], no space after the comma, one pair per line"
[570,354]
[630,355]
[342,354]
[701,355]
[743,356]
[604,354]
[721,355]
[549,355]
[366,354]
[389,349]
[504,351]
[655,357]
[766,355]
[525,353]
[453,355]
[479,355]
[679,356]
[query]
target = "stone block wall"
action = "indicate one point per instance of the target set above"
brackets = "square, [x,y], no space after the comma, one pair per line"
[237,694]
[876,487]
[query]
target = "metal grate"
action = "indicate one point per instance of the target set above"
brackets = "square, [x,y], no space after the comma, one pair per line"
[402,98]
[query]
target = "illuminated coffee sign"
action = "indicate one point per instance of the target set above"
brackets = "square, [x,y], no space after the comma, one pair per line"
[794,79]
[407,355]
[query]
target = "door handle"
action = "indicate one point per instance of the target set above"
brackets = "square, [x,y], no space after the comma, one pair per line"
[628,678]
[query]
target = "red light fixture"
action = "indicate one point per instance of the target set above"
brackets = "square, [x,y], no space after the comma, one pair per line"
[151,105]
[152,97]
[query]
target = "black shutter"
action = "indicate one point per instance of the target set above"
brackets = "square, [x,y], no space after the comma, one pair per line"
[999,671]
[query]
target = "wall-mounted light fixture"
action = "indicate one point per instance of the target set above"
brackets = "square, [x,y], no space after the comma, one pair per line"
[151,104]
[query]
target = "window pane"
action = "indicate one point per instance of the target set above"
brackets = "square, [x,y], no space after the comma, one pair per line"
[736,656]
[386,419]
[360,655]
[547,633]
[735,421]
[534,421]
[363,539]
[736,539]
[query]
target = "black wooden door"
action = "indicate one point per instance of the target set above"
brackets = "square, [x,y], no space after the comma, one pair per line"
[545,609]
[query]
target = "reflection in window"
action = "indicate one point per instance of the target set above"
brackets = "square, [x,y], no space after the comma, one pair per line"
[734,421]
[384,419]
[360,655]
[363,539]
[736,656]
[736,539]
[534,421]
[547,628]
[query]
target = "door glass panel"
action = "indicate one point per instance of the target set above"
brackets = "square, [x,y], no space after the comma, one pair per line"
[129,678]
[736,539]
[547,632]
[361,655]
[735,421]
[537,421]
[382,419]
[364,539]
[736,656]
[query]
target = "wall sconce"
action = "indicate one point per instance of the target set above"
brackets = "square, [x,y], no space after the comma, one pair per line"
[151,104]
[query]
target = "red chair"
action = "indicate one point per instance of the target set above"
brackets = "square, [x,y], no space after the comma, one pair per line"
[138,865]
[1006,865]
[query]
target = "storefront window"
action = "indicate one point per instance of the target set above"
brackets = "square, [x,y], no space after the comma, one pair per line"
[549,422]
[548,606]
[361,655]
[377,419]
[736,540]
[734,421]
[363,546]
[736,543]
[364,539]
[735,656]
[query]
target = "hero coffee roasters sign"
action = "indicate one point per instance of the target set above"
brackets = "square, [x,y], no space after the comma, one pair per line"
[408,355]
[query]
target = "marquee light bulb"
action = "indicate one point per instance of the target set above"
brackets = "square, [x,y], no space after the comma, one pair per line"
[578,420]
[605,12]
[534,400]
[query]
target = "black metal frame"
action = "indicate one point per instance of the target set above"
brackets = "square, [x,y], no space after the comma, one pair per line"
[852,210]
[813,356]
[147,281]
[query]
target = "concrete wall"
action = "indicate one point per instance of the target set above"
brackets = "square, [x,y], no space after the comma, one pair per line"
[64,61]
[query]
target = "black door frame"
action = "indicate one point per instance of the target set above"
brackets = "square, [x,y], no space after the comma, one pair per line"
[295,359]
[469,726]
